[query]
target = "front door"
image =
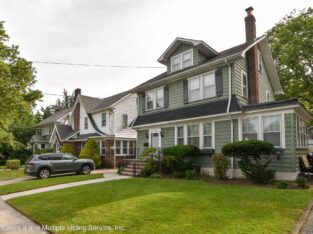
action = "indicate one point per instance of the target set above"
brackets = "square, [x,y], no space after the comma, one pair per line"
[155,140]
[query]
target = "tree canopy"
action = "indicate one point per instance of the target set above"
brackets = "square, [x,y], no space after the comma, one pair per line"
[291,43]
[17,96]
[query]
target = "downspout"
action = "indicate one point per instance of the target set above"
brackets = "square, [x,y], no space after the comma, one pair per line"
[228,113]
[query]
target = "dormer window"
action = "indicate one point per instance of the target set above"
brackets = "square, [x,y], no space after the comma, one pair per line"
[181,61]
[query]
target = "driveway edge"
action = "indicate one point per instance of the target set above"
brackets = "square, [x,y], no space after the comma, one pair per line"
[303,218]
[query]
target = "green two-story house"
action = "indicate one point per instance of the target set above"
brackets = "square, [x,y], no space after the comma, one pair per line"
[209,98]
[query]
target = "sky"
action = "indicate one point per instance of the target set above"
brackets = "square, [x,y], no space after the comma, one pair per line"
[122,32]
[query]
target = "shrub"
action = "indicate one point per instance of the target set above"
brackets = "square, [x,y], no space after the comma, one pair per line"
[302,182]
[148,151]
[179,174]
[190,174]
[91,151]
[67,148]
[43,151]
[149,169]
[221,165]
[254,158]
[181,151]
[282,185]
[156,176]
[13,164]
[120,170]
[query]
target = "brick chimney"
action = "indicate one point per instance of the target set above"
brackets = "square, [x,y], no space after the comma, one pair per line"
[252,59]
[76,111]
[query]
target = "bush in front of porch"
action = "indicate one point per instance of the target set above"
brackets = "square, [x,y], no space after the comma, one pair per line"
[91,151]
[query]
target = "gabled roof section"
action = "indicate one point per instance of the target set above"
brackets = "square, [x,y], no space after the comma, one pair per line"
[55,117]
[201,45]
[65,131]
[89,103]
[109,101]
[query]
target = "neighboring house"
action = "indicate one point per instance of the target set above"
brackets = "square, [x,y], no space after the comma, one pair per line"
[105,120]
[43,130]
[209,98]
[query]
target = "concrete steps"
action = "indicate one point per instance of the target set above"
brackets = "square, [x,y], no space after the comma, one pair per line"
[133,167]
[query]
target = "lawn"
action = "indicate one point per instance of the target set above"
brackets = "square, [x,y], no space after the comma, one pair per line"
[168,206]
[11,174]
[37,183]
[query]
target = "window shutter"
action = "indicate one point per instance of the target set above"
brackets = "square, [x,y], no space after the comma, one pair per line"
[219,82]
[185,88]
[166,96]
[143,102]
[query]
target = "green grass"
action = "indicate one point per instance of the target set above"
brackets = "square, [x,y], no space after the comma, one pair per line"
[168,206]
[11,174]
[37,183]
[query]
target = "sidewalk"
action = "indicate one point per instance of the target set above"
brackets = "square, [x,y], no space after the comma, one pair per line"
[108,177]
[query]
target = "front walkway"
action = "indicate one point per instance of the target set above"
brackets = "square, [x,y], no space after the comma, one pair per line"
[108,177]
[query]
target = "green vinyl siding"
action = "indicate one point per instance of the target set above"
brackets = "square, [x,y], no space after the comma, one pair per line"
[142,140]
[168,138]
[265,85]
[239,65]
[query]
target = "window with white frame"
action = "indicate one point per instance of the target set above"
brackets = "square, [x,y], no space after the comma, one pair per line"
[194,89]
[250,129]
[244,84]
[301,133]
[125,121]
[118,147]
[207,135]
[38,131]
[125,148]
[155,98]
[103,150]
[180,135]
[272,129]
[193,135]
[267,96]
[209,89]
[86,122]
[182,61]
[132,148]
[103,119]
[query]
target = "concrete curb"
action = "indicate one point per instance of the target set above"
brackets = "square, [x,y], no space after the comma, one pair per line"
[303,218]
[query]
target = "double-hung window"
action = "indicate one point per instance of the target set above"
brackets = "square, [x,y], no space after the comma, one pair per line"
[155,98]
[267,96]
[301,132]
[131,148]
[250,129]
[272,129]
[181,61]
[125,121]
[260,68]
[103,148]
[207,135]
[118,147]
[244,83]
[194,89]
[193,135]
[103,119]
[125,147]
[209,89]
[180,135]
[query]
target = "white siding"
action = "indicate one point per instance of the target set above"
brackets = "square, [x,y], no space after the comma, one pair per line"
[83,114]
[108,129]
[126,106]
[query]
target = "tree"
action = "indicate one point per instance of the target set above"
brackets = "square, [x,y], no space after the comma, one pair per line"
[291,43]
[67,148]
[66,102]
[46,112]
[91,151]
[17,96]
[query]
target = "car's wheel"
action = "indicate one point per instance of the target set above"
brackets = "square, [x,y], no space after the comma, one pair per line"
[86,169]
[44,173]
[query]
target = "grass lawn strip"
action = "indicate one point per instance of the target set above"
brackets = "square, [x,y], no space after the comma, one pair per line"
[37,183]
[11,174]
[169,206]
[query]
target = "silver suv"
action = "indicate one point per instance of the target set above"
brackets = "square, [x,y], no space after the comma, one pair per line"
[45,165]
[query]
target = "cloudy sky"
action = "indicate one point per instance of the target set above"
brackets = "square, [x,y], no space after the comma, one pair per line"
[122,32]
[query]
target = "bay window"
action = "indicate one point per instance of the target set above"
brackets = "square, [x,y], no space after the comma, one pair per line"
[272,129]
[249,129]
[207,135]
[155,98]
[180,135]
[193,135]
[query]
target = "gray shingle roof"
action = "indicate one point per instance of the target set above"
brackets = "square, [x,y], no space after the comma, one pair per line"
[84,137]
[90,103]
[65,131]
[53,118]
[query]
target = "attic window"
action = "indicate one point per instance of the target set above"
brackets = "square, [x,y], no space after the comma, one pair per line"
[182,60]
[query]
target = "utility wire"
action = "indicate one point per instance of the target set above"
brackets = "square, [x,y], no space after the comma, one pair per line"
[93,65]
